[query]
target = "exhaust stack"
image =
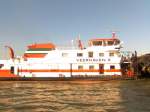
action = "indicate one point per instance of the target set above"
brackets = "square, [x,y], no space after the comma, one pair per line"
[11,52]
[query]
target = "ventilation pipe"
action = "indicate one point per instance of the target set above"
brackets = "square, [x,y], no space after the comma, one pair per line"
[11,52]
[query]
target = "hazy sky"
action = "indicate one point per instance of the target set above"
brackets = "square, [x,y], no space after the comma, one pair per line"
[23,22]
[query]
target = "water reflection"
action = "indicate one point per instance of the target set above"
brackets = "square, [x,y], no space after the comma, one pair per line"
[111,96]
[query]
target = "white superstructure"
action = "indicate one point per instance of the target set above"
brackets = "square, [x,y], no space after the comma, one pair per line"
[101,57]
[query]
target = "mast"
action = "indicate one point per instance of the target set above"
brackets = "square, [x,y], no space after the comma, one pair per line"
[80,45]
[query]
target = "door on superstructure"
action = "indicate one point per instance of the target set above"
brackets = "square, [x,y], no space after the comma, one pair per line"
[101,68]
[12,69]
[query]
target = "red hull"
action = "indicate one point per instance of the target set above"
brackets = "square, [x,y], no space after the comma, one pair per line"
[6,73]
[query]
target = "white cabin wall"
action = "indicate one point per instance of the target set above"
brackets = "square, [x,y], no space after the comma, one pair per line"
[55,60]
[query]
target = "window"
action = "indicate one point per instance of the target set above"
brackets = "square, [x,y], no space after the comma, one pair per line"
[117,42]
[1,65]
[110,43]
[79,54]
[80,67]
[91,67]
[97,43]
[90,54]
[112,67]
[64,54]
[118,54]
[103,60]
[111,54]
[101,54]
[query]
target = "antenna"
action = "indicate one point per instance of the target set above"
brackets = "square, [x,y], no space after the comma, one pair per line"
[72,43]
[114,32]
[113,35]
[80,45]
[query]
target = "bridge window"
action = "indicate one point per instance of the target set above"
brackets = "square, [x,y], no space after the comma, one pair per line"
[117,42]
[97,43]
[109,43]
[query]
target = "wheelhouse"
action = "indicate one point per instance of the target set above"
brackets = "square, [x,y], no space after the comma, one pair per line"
[104,42]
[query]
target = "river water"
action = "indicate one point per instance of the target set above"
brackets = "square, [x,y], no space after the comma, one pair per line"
[102,96]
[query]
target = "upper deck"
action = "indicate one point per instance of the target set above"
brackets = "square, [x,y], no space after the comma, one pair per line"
[40,50]
[105,41]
